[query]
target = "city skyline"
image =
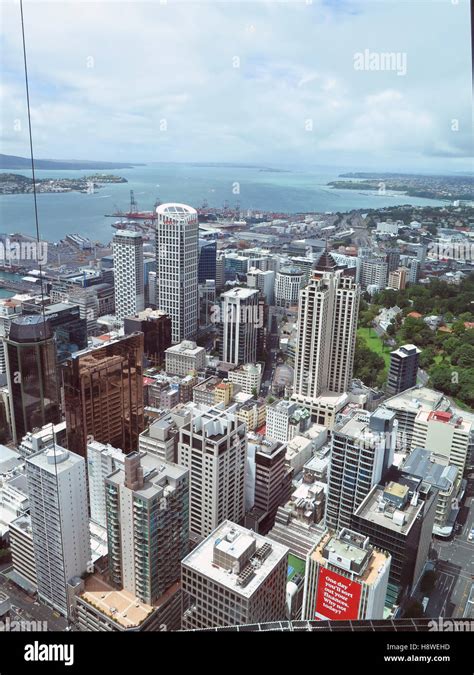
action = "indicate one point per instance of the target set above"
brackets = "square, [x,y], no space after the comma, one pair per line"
[236,393]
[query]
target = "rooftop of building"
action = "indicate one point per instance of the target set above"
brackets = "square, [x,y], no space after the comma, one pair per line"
[430,468]
[214,422]
[248,368]
[175,209]
[417,398]
[268,447]
[236,542]
[23,523]
[379,511]
[120,605]
[185,348]
[55,459]
[456,419]
[127,234]
[283,406]
[239,292]
[147,314]
[209,384]
[297,445]
[318,462]
[159,476]
[406,350]
[353,547]
[101,342]
[9,459]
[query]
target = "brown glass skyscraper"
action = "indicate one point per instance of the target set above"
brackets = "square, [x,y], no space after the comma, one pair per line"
[103,394]
[32,375]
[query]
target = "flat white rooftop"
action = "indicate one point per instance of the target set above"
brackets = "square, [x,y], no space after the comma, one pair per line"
[201,558]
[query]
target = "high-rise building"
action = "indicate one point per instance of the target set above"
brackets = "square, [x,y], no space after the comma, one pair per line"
[233,577]
[103,394]
[397,279]
[8,311]
[22,550]
[403,369]
[59,522]
[69,328]
[102,460]
[128,273]
[31,375]
[236,266]
[449,434]
[264,281]
[42,438]
[399,519]
[429,468]
[373,273]
[147,502]
[327,325]
[392,257]
[213,447]
[207,260]
[362,451]
[156,328]
[285,419]
[346,578]
[184,358]
[288,283]
[239,323]
[177,268]
[160,439]
[151,289]
[272,485]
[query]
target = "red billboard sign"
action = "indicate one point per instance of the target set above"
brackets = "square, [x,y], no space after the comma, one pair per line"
[338,598]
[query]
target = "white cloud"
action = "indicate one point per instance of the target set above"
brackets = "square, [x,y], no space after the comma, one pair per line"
[103,77]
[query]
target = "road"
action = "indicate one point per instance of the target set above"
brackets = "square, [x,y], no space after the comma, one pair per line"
[25,608]
[454,566]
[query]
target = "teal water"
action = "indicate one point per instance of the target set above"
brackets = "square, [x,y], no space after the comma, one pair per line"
[4,293]
[288,192]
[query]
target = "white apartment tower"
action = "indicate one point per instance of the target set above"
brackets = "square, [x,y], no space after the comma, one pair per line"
[213,446]
[129,280]
[59,521]
[177,235]
[102,460]
[288,283]
[327,325]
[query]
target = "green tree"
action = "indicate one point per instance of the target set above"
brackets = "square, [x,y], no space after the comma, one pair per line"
[427,357]
[463,356]
[459,328]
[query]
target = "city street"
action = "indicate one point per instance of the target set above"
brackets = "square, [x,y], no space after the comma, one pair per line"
[454,566]
[25,608]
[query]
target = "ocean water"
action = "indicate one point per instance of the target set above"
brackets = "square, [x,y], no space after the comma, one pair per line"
[253,188]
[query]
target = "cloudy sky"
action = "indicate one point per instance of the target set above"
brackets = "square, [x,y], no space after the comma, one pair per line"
[252,81]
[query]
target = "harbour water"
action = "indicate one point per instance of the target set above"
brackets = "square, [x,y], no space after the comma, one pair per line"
[288,191]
